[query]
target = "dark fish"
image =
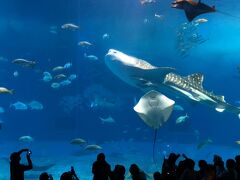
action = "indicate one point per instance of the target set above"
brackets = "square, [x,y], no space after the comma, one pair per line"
[24,63]
[192,9]
[204,143]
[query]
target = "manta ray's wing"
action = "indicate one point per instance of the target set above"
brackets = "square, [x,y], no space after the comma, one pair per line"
[193,11]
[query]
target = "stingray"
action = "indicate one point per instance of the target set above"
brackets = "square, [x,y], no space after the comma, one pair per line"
[154,109]
[193,9]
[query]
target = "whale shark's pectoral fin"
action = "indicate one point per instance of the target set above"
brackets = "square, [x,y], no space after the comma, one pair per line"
[156,75]
[150,77]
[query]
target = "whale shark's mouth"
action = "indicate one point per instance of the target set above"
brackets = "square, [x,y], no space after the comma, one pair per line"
[111,52]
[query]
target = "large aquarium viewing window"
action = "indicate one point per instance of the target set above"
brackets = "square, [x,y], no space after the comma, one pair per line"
[152,86]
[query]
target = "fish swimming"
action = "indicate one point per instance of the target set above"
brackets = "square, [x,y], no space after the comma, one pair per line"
[134,71]
[70,26]
[178,108]
[55,85]
[204,143]
[144,2]
[191,87]
[143,75]
[58,68]
[78,141]
[26,139]
[72,77]
[105,36]
[154,109]
[47,76]
[91,57]
[67,65]
[93,147]
[4,90]
[35,105]
[109,119]
[15,74]
[84,44]
[60,76]
[19,106]
[65,82]
[24,63]
[192,9]
[182,119]
[201,20]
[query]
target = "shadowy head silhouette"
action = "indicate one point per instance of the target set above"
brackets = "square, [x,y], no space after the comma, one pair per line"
[157,175]
[237,159]
[66,176]
[134,169]
[173,157]
[15,157]
[101,157]
[202,164]
[44,176]
[230,164]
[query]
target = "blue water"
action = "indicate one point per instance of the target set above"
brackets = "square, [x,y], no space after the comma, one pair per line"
[25,33]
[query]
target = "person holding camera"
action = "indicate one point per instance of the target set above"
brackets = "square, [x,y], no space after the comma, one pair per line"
[70,175]
[16,169]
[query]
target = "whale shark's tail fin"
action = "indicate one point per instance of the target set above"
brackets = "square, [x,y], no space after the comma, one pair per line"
[228,107]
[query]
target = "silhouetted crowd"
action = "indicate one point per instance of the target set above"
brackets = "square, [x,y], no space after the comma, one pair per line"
[170,170]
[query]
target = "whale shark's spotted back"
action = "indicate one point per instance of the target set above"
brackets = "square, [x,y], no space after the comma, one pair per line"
[190,83]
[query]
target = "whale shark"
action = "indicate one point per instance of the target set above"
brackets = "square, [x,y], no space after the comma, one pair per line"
[141,74]
[191,87]
[135,72]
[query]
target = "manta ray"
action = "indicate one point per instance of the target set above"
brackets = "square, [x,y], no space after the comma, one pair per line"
[154,109]
[192,9]
[143,75]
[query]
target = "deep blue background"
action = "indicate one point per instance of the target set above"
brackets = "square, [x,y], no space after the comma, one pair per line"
[24,33]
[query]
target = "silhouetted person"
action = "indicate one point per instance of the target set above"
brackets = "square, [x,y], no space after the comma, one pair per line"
[210,173]
[17,169]
[231,170]
[118,173]
[157,176]
[219,167]
[101,169]
[169,166]
[70,175]
[45,176]
[136,173]
[188,173]
[202,164]
[237,159]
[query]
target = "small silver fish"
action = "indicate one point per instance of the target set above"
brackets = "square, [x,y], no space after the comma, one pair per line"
[78,141]
[70,26]
[26,139]
[24,63]
[93,147]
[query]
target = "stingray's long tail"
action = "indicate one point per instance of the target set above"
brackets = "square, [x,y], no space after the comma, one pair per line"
[228,14]
[154,144]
